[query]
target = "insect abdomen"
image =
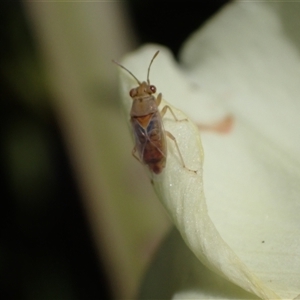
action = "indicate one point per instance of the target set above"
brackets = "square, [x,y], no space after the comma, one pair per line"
[150,141]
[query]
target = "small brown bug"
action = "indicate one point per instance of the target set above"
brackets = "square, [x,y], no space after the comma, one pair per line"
[146,121]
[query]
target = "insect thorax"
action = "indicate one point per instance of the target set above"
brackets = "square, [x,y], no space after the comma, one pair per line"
[143,105]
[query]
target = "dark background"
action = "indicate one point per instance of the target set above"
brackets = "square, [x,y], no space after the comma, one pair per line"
[46,250]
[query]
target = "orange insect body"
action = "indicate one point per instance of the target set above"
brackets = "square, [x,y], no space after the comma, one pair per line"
[150,141]
[146,121]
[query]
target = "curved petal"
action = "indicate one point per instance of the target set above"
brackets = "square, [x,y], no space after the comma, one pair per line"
[250,233]
[254,172]
[176,273]
[181,191]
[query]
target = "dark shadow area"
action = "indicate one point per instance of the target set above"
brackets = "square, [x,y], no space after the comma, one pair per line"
[46,249]
[170,23]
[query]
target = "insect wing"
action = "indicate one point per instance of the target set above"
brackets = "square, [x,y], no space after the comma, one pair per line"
[140,137]
[149,138]
[155,133]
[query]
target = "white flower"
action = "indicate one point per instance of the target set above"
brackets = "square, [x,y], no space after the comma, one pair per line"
[240,215]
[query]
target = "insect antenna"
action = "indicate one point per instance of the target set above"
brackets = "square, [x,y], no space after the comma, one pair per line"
[156,53]
[127,71]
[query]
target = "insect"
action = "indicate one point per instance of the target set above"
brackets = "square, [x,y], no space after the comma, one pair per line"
[146,121]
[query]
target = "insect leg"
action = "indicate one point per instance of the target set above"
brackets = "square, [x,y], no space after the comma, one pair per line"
[164,110]
[172,137]
[134,155]
[158,99]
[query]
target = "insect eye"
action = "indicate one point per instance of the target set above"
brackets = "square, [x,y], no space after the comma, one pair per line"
[132,93]
[152,88]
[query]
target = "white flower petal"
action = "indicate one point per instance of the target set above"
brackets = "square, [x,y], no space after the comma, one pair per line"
[250,233]
[258,67]
[181,191]
[176,273]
